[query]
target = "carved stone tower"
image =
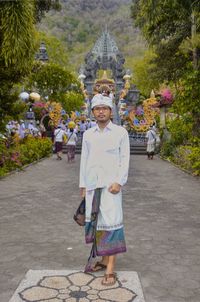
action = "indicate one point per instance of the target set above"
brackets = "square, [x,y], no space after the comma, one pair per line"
[105,55]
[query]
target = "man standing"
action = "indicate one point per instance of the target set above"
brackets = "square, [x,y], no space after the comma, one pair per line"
[103,172]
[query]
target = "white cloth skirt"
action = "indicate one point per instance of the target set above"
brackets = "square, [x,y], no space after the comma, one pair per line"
[150,147]
[110,215]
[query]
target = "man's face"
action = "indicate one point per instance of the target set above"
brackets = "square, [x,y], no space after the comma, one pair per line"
[102,113]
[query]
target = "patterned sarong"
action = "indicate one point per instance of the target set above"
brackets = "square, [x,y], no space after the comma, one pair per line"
[105,243]
[71,152]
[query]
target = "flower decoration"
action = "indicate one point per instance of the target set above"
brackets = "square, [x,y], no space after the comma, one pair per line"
[166,97]
[76,287]
[55,110]
[141,117]
[15,157]
[166,94]
[39,104]
[139,110]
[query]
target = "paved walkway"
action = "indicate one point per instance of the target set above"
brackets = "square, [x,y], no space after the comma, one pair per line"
[162,223]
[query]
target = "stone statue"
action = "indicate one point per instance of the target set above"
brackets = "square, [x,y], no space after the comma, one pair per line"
[91,66]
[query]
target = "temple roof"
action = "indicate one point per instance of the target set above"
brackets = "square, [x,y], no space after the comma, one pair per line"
[104,79]
[105,55]
[105,46]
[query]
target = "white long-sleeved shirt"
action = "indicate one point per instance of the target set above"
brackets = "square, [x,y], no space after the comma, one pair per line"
[104,157]
[58,135]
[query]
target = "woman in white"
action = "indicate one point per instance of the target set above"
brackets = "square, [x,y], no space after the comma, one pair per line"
[151,142]
[71,145]
[58,141]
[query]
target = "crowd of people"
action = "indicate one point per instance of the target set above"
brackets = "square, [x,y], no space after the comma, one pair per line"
[22,129]
[68,132]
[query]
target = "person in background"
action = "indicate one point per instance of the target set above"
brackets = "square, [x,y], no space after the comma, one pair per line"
[22,129]
[83,127]
[63,125]
[31,128]
[9,127]
[71,144]
[151,142]
[43,130]
[58,141]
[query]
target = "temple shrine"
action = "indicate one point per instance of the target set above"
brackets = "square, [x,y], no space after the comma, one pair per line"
[104,72]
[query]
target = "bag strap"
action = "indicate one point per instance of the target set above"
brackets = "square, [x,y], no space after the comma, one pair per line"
[69,138]
[153,135]
[58,132]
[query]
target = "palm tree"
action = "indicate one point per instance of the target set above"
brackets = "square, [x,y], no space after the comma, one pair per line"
[17,47]
[17,33]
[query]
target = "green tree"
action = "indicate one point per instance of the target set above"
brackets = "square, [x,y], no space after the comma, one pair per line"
[143,76]
[72,101]
[171,27]
[165,26]
[56,50]
[17,46]
[188,98]
[42,6]
[52,80]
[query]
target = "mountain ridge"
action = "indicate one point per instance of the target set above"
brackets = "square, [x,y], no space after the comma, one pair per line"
[80,23]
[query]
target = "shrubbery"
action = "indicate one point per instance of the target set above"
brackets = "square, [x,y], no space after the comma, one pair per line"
[187,157]
[167,149]
[182,148]
[14,155]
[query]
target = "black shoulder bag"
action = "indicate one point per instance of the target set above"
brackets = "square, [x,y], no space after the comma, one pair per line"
[79,216]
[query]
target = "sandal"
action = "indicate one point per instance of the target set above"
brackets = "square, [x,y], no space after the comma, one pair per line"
[105,281]
[99,267]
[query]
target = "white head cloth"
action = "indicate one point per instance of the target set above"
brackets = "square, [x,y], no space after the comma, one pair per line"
[101,100]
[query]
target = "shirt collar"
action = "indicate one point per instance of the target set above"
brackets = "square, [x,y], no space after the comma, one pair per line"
[108,127]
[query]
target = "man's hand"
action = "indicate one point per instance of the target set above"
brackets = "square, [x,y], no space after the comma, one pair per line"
[114,188]
[83,192]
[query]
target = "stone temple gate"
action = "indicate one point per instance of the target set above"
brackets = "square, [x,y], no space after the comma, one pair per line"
[105,55]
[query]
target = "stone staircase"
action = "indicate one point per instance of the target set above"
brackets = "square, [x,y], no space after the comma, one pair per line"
[136,147]
[139,149]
